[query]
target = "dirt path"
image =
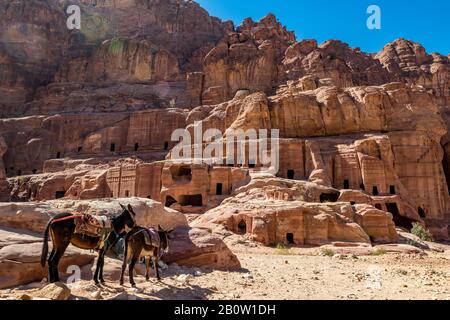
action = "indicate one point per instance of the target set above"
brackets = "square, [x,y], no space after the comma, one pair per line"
[270,273]
[285,274]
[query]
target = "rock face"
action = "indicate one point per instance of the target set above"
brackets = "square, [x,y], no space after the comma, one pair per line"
[249,58]
[168,40]
[275,211]
[34,216]
[199,247]
[409,61]
[193,188]
[333,60]
[83,135]
[31,47]
[364,139]
[21,263]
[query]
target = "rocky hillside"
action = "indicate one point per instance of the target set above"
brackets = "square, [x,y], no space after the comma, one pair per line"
[88,115]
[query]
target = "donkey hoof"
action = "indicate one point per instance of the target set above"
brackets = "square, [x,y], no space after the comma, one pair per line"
[133,285]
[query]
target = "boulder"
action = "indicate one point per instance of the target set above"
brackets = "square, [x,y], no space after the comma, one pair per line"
[34,216]
[200,248]
[53,291]
[20,263]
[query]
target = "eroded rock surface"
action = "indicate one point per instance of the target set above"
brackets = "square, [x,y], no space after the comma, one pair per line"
[87,118]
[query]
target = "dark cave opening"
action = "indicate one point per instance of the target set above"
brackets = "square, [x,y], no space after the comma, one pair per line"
[329,197]
[291,174]
[219,188]
[170,201]
[195,200]
[242,227]
[399,220]
[290,238]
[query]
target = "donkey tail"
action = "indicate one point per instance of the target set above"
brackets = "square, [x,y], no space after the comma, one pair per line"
[45,245]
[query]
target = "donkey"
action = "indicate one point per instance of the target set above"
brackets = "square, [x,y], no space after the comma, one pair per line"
[62,230]
[137,247]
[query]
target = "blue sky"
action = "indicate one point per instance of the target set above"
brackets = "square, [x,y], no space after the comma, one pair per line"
[422,21]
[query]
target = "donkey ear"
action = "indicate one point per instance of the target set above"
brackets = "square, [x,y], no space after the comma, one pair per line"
[123,207]
[130,209]
[159,228]
[170,231]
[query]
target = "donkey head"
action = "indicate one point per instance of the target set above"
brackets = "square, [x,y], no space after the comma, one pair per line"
[164,236]
[127,217]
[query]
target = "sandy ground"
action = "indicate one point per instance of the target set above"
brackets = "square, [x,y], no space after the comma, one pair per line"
[297,273]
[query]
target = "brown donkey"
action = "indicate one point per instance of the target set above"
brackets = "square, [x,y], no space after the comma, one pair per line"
[143,242]
[62,231]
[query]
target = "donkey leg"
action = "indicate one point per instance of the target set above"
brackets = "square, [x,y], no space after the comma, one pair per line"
[155,262]
[125,259]
[124,266]
[97,267]
[57,256]
[101,266]
[147,269]
[134,259]
[51,274]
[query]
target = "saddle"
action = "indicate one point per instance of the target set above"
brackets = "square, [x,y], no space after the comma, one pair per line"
[151,237]
[93,226]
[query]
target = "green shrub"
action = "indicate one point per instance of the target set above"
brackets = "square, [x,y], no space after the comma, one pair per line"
[282,249]
[421,232]
[378,252]
[327,252]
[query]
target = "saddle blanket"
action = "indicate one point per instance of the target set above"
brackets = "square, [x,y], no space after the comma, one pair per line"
[152,237]
[93,226]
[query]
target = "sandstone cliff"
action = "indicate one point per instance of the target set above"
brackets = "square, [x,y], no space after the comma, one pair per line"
[89,114]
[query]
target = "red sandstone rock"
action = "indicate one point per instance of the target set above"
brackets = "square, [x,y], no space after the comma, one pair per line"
[274,211]
[198,247]
[21,263]
[96,110]
[409,62]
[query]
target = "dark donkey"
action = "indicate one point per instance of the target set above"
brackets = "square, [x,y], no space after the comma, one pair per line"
[62,231]
[136,247]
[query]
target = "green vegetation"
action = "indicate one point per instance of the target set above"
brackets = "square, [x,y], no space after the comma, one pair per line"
[378,252]
[282,249]
[421,232]
[327,252]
